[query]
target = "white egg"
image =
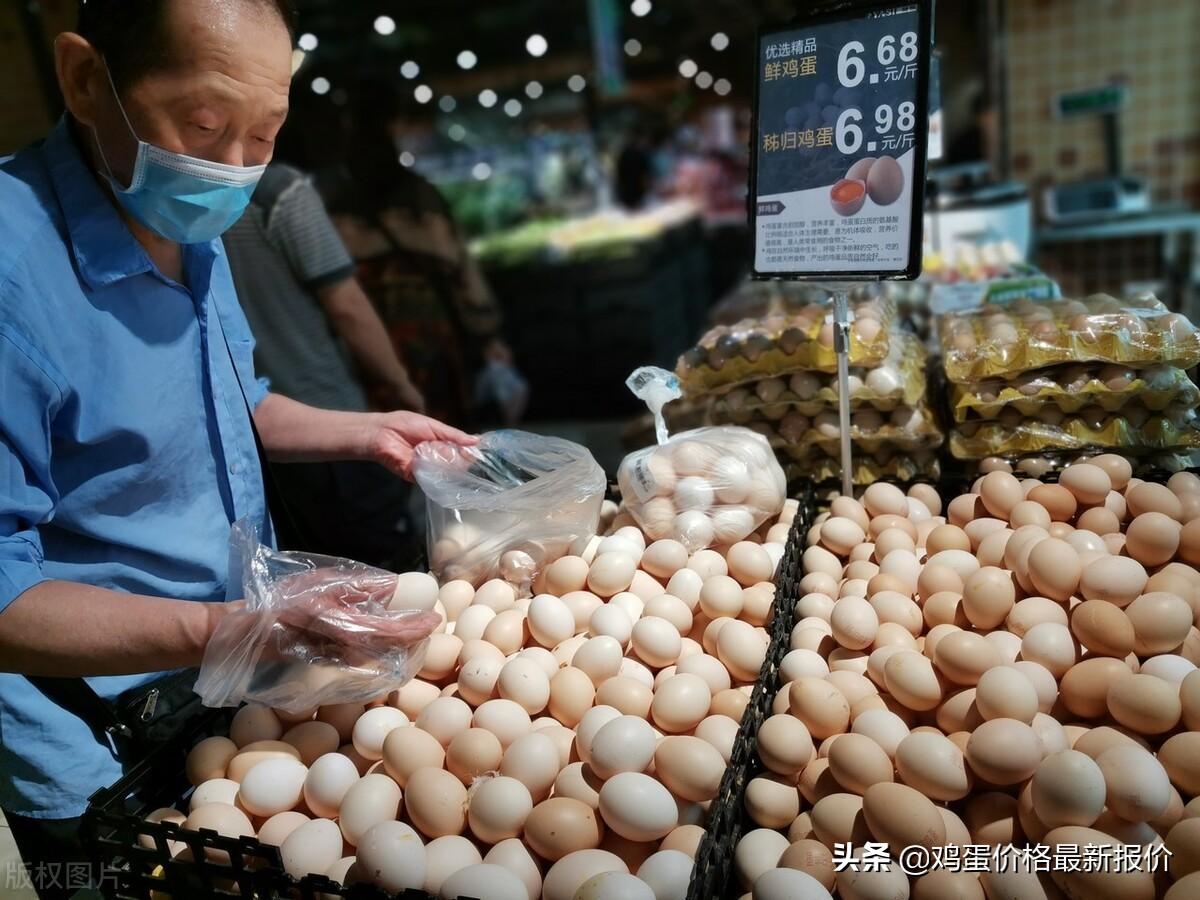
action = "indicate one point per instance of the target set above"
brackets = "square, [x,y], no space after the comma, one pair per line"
[391,856]
[414,590]
[693,529]
[694,493]
[273,785]
[731,479]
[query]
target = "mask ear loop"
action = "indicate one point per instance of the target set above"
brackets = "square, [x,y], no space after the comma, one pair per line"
[128,124]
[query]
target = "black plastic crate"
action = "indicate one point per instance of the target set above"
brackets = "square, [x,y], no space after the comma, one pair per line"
[727,820]
[114,829]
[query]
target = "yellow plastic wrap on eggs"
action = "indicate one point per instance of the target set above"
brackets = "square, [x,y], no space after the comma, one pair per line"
[906,428]
[975,440]
[897,381]
[1074,387]
[1005,339]
[868,468]
[1037,465]
[780,343]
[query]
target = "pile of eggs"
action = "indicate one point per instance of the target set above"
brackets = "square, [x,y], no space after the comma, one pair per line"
[703,487]
[1021,669]
[565,745]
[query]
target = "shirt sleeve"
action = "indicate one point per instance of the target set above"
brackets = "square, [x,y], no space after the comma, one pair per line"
[33,392]
[300,228]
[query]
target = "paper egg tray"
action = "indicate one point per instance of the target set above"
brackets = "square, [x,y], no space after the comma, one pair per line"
[1010,338]
[926,435]
[115,820]
[987,400]
[972,441]
[744,404]
[712,876]
[778,344]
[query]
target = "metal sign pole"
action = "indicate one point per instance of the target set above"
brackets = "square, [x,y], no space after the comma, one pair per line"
[841,345]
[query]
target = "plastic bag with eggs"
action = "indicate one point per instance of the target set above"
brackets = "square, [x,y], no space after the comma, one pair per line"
[314,630]
[515,499]
[1004,339]
[703,487]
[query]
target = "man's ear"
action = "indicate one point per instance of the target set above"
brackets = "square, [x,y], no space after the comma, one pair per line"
[81,76]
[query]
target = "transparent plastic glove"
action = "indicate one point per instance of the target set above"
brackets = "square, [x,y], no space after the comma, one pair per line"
[313,630]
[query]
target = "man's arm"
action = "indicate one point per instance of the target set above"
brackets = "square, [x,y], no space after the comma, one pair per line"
[358,324]
[63,629]
[294,432]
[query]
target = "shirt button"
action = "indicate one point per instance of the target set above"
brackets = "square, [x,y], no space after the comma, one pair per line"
[235,468]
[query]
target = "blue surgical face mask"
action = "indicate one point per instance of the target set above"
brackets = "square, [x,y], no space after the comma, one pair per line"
[184,199]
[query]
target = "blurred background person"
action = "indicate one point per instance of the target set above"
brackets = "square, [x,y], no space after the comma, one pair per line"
[317,335]
[413,263]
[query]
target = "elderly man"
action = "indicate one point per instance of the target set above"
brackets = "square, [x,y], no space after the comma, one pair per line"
[126,441]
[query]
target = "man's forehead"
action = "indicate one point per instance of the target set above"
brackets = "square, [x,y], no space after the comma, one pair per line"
[230,35]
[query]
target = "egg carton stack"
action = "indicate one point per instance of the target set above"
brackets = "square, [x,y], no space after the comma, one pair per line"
[777,375]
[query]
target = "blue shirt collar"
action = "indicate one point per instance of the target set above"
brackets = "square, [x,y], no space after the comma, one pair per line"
[104,248]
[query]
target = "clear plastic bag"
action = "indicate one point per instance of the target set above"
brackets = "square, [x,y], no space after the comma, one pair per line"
[511,493]
[1005,339]
[701,487]
[314,630]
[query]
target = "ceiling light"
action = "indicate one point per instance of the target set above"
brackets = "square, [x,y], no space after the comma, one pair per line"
[688,69]
[577,83]
[533,90]
[720,41]
[633,47]
[641,7]
[481,171]
[448,104]
[410,69]
[385,25]
[456,132]
[487,98]
[704,81]
[423,93]
[407,159]
[722,87]
[536,45]
[467,60]
[320,85]
[307,42]
[512,108]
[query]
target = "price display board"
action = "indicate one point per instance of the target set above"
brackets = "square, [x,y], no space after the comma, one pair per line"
[841,128]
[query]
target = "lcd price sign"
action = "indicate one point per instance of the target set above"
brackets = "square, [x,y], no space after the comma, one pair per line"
[841,125]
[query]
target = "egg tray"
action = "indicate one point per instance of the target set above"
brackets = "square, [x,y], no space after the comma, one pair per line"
[926,436]
[782,343]
[712,876]
[975,441]
[1005,339]
[115,820]
[743,404]
[987,400]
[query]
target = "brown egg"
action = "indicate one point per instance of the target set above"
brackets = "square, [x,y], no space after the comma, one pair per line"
[1099,520]
[943,884]
[561,825]
[1118,468]
[1004,692]
[692,768]
[991,818]
[625,693]
[1054,568]
[473,752]
[964,508]
[1032,611]
[1103,628]
[785,744]
[928,495]
[812,858]
[1161,622]
[1000,492]
[933,765]
[1004,751]
[436,802]
[901,817]
[1152,538]
[1151,497]
[857,762]
[839,819]
[1111,882]
[772,802]
[1180,756]
[1084,688]
[945,607]
[1090,484]
[947,537]
[964,656]
[686,839]
[1117,580]
[817,781]
[1060,504]
[1144,703]
[1189,542]
[820,706]
[988,597]
[935,579]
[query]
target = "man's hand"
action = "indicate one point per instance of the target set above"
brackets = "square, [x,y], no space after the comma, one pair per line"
[394,437]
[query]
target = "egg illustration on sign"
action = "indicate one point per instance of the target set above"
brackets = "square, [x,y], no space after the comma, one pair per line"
[881,179]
